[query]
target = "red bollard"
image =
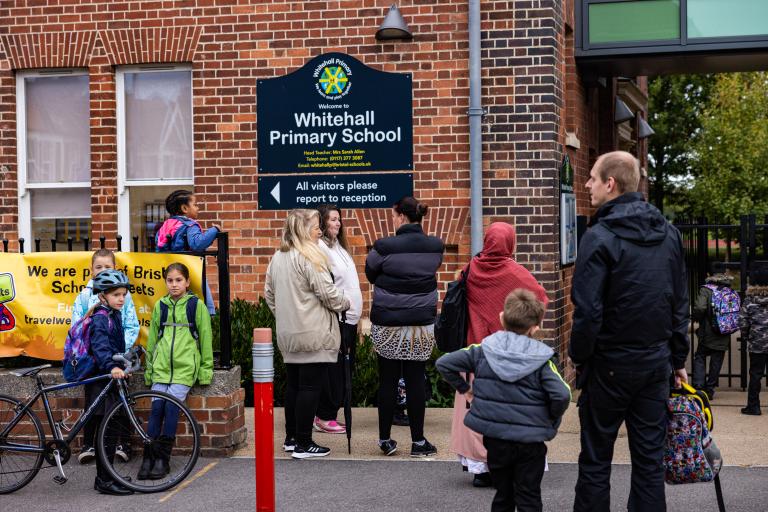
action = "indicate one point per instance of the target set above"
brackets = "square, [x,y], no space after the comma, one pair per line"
[264,423]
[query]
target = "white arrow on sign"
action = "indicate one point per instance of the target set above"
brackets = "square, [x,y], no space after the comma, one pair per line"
[276,192]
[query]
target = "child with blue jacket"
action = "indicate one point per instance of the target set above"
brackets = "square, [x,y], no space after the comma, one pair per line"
[517,400]
[107,339]
[182,232]
[104,259]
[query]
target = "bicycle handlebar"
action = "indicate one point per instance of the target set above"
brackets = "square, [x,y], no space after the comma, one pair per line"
[131,359]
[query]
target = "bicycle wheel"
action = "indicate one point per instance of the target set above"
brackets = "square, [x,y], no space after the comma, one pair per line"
[178,442]
[18,468]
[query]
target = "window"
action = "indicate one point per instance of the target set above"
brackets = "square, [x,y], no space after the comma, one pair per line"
[734,18]
[54,158]
[154,146]
[645,20]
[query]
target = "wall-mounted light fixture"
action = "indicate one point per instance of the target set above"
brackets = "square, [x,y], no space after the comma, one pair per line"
[622,112]
[644,130]
[393,26]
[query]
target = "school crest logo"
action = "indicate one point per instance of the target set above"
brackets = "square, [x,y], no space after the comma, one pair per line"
[333,79]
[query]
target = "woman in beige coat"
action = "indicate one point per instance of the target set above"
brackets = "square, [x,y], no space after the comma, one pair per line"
[300,292]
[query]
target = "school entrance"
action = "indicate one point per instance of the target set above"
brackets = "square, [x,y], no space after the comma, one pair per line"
[617,38]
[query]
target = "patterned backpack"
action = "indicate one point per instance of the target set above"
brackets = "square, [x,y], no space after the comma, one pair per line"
[691,454]
[79,364]
[725,305]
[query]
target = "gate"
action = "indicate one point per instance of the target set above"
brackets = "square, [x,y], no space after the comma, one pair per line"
[738,246]
[222,262]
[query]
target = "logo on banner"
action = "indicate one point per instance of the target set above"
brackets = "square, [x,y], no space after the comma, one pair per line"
[7,294]
[333,79]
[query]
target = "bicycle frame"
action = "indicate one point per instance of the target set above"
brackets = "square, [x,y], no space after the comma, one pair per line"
[42,391]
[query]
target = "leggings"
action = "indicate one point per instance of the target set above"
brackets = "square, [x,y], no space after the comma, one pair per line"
[389,374]
[302,396]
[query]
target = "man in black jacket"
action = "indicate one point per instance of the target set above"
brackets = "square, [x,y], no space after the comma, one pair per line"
[629,332]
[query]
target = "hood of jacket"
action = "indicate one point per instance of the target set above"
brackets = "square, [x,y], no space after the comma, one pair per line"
[758,294]
[513,356]
[631,218]
[719,280]
[182,301]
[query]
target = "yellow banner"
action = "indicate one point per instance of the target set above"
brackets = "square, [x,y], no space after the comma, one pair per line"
[37,292]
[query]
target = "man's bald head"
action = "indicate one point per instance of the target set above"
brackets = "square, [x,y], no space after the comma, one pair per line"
[623,167]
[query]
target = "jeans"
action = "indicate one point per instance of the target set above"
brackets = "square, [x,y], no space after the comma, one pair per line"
[610,397]
[702,379]
[164,417]
[516,472]
[302,395]
[389,374]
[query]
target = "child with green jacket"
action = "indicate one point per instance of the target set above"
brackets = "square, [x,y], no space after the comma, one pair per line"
[179,354]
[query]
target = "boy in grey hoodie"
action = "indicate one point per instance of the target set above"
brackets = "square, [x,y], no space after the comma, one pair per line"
[517,400]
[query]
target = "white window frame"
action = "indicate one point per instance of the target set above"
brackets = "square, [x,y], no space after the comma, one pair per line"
[123,184]
[23,186]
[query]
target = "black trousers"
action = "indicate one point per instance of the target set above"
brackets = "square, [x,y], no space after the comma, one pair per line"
[389,374]
[612,396]
[332,397]
[757,367]
[302,394]
[516,471]
[701,378]
[92,392]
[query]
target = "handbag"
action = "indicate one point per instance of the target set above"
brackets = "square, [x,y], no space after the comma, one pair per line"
[453,322]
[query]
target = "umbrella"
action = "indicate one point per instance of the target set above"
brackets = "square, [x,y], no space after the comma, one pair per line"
[347,386]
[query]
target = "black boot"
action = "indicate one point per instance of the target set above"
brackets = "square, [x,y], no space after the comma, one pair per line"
[147,462]
[110,487]
[162,453]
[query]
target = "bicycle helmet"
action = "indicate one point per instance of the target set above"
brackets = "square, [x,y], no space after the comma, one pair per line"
[109,280]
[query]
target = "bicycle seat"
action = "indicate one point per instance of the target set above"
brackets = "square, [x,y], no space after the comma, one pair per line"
[29,372]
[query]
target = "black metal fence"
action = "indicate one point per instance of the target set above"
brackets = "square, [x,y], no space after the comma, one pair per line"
[221,253]
[738,246]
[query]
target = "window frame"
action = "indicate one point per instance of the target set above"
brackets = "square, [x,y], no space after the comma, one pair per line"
[22,185]
[123,183]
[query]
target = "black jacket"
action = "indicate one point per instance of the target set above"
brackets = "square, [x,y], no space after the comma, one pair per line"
[107,338]
[630,292]
[519,394]
[403,270]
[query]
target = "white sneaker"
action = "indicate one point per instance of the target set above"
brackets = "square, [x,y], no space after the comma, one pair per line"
[87,455]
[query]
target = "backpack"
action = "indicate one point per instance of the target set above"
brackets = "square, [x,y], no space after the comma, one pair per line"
[78,362]
[452,324]
[725,305]
[691,454]
[191,309]
[176,227]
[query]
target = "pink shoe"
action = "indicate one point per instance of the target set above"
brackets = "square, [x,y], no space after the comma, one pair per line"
[329,427]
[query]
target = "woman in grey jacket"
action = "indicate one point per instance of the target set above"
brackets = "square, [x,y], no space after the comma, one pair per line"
[403,269]
[300,292]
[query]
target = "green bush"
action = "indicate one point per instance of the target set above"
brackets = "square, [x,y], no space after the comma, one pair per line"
[365,381]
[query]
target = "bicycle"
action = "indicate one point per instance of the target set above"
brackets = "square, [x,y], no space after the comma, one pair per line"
[24,446]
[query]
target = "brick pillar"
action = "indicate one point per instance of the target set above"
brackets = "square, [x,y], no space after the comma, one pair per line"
[523,91]
[9,218]
[103,147]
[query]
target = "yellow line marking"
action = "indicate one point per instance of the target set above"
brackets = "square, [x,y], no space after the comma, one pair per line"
[187,482]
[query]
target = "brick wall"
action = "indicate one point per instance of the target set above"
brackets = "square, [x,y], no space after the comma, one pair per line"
[530,88]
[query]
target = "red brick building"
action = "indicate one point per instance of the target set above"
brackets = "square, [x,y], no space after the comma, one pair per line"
[106,106]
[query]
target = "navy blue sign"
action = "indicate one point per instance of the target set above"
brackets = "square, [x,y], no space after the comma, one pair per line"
[343,190]
[335,114]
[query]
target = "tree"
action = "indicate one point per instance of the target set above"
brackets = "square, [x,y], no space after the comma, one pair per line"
[676,104]
[730,153]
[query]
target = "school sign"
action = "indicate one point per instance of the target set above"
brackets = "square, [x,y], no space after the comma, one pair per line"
[332,117]
[37,292]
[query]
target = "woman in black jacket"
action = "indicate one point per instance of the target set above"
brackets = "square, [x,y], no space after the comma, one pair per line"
[403,269]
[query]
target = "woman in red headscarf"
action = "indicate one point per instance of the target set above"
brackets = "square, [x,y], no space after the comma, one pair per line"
[493,274]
